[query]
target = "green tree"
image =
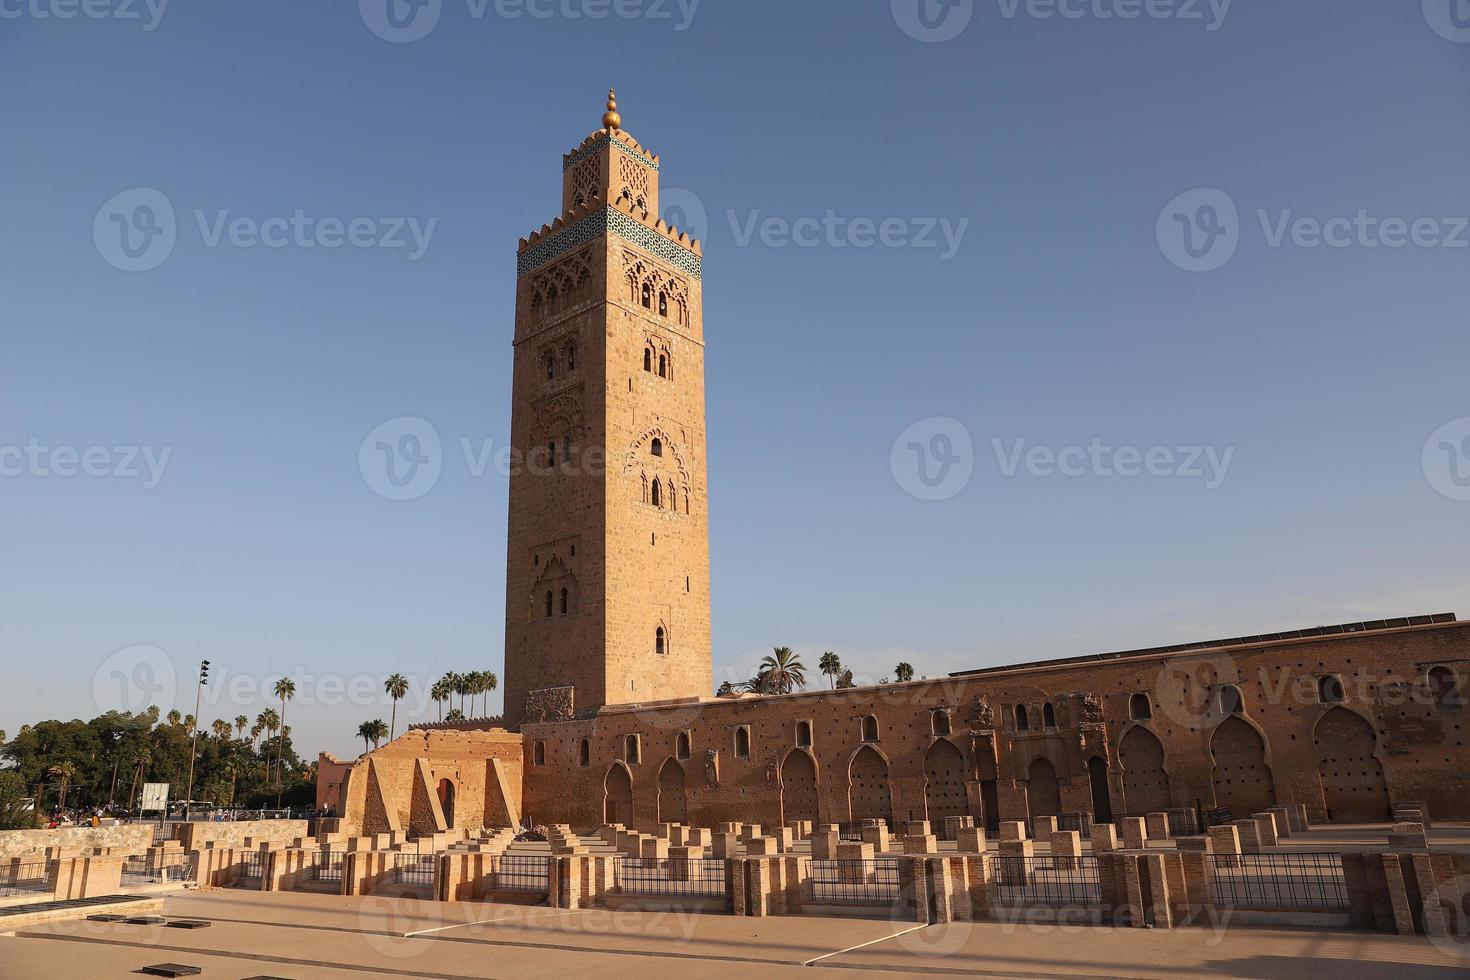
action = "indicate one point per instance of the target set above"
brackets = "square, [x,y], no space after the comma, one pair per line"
[441,692]
[831,665]
[241,723]
[285,690]
[781,672]
[396,687]
[904,672]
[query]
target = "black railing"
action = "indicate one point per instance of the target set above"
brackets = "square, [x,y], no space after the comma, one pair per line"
[329,866]
[1079,822]
[853,832]
[854,882]
[670,876]
[1055,881]
[21,880]
[414,869]
[522,872]
[1183,823]
[140,870]
[1277,881]
[252,865]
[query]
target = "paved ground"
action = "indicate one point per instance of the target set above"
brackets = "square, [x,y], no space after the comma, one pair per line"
[313,937]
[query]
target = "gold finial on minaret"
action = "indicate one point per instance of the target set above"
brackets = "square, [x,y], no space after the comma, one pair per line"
[612,120]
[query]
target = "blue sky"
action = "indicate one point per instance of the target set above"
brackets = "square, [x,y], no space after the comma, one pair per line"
[1060,153]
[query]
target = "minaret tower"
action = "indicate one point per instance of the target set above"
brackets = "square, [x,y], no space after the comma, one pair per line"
[607,577]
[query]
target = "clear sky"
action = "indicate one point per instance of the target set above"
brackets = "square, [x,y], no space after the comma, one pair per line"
[1004,282]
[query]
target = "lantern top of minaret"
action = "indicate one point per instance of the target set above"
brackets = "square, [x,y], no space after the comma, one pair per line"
[611,120]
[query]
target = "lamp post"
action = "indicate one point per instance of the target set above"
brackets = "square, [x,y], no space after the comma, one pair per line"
[194,736]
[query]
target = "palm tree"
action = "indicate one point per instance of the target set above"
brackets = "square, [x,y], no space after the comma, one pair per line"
[175,719]
[268,721]
[143,759]
[781,672]
[455,715]
[831,665]
[221,729]
[441,692]
[461,687]
[235,767]
[365,732]
[488,683]
[64,773]
[396,687]
[255,732]
[241,723]
[285,690]
[904,672]
[377,731]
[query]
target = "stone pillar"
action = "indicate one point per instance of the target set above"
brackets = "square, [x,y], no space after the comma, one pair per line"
[854,863]
[1135,833]
[1194,855]
[1266,829]
[1104,838]
[1066,848]
[1300,822]
[970,840]
[1012,830]
[921,843]
[724,845]
[696,836]
[653,848]
[1250,836]
[664,830]
[877,835]
[679,858]
[761,847]
[1157,826]
[1225,842]
[750,831]
[913,888]
[1014,865]
[1283,820]
[917,828]
[1043,827]
[784,838]
[824,844]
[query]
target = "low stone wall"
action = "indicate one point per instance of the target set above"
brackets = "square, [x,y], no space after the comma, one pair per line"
[132,838]
[196,835]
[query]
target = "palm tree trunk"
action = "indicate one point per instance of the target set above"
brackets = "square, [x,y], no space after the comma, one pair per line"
[393,725]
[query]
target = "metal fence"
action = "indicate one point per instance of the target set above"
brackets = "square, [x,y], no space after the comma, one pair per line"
[1079,822]
[140,870]
[24,880]
[252,865]
[854,882]
[414,869]
[853,832]
[1053,881]
[1277,881]
[522,872]
[670,876]
[1183,823]
[329,866]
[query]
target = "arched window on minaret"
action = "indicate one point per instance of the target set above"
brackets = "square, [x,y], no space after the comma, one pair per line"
[647,360]
[660,641]
[658,493]
[563,602]
[647,296]
[548,604]
[656,447]
[663,303]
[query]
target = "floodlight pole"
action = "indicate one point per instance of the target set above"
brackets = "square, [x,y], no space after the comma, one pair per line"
[194,737]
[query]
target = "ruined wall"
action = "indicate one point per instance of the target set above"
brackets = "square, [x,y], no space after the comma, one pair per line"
[459,769]
[1283,744]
